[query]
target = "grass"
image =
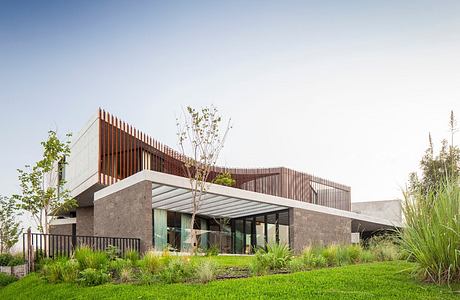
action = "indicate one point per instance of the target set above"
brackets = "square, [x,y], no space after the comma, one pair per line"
[383,280]
[226,261]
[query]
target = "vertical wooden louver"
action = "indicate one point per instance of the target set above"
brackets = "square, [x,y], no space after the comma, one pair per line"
[124,151]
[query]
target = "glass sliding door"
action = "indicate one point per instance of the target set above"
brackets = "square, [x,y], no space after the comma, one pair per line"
[160,229]
[283,221]
[239,236]
[271,228]
[260,231]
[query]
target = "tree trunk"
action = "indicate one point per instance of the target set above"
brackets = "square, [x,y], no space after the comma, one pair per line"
[193,237]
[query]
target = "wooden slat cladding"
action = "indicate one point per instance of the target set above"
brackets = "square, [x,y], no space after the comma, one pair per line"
[125,151]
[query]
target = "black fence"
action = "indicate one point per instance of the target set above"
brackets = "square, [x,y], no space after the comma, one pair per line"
[37,245]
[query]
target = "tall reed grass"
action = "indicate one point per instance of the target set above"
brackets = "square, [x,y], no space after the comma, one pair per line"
[431,237]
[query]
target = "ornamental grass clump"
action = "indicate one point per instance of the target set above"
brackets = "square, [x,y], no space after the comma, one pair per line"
[431,236]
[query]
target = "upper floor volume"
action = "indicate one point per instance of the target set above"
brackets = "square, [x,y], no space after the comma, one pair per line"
[108,150]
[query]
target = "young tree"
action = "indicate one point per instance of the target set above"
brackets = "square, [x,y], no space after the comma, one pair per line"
[10,229]
[43,193]
[201,137]
[436,169]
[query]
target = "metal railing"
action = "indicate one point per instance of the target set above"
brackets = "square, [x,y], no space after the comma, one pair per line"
[40,245]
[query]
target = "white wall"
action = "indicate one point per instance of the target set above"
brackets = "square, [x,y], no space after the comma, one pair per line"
[81,170]
[385,209]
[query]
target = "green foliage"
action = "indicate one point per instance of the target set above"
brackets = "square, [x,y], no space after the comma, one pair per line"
[225,178]
[436,169]
[354,253]
[43,192]
[206,271]
[5,259]
[212,251]
[150,262]
[112,252]
[312,258]
[16,260]
[55,270]
[117,266]
[296,265]
[367,256]
[431,237]
[385,280]
[132,255]
[384,247]
[176,269]
[92,277]
[91,259]
[6,279]
[10,229]
[277,256]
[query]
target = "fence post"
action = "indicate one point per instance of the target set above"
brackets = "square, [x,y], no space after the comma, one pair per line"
[30,251]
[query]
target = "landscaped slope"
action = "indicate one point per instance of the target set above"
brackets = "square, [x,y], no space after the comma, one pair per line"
[389,280]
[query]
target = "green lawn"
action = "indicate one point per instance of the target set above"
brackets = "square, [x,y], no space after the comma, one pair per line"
[389,280]
[227,260]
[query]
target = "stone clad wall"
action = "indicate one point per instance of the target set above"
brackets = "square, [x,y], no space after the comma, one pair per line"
[312,228]
[61,229]
[126,213]
[85,220]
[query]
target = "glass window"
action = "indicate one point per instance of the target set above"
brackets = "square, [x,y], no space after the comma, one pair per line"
[260,231]
[160,230]
[283,219]
[248,236]
[271,228]
[239,236]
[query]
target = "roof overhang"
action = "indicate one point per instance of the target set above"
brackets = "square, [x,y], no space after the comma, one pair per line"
[172,192]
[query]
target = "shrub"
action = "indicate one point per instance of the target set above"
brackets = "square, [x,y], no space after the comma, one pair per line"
[206,271]
[212,251]
[118,265]
[330,254]
[367,256]
[5,259]
[132,255]
[126,274]
[277,256]
[384,248]
[150,262]
[70,270]
[88,258]
[431,237]
[312,258]
[6,279]
[92,277]
[112,252]
[354,253]
[53,269]
[296,265]
[176,269]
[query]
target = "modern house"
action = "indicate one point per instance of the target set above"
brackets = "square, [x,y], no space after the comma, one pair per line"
[129,185]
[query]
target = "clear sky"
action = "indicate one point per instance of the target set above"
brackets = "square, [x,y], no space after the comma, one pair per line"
[346,90]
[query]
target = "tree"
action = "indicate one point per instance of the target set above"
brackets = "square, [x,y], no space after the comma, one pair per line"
[9,227]
[224,178]
[200,139]
[436,169]
[44,194]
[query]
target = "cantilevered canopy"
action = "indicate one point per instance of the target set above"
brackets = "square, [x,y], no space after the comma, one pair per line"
[173,193]
[211,204]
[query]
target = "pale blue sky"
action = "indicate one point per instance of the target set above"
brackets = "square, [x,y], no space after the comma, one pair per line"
[347,90]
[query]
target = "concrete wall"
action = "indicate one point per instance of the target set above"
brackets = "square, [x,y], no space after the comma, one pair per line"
[312,228]
[61,229]
[386,209]
[85,220]
[126,213]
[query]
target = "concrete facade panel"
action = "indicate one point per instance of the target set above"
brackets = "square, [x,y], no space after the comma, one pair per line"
[85,220]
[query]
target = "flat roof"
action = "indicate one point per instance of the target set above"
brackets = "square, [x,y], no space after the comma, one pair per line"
[172,192]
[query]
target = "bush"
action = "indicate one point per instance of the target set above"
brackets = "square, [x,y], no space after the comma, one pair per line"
[5,259]
[277,256]
[384,248]
[312,258]
[92,277]
[367,256]
[112,252]
[53,270]
[132,255]
[117,266]
[126,274]
[70,270]
[6,279]
[296,265]
[330,254]
[206,271]
[176,269]
[88,258]
[150,262]
[354,253]
[212,251]
[431,237]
